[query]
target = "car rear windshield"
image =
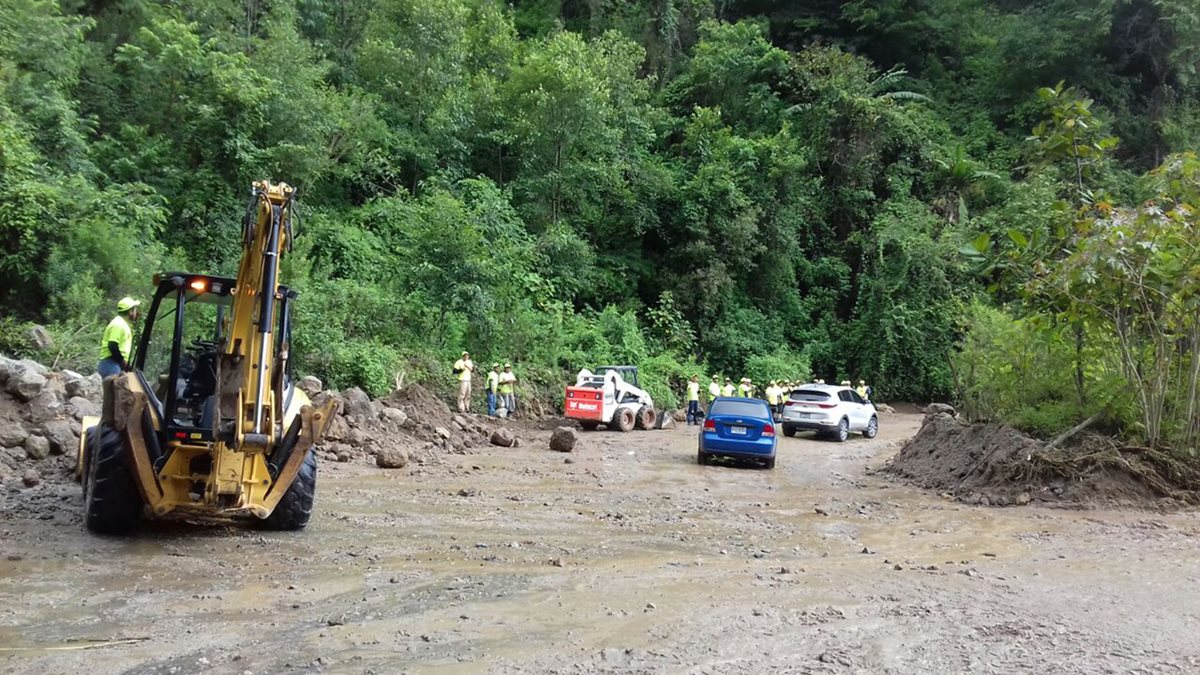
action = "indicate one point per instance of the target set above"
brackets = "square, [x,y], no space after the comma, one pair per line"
[809,395]
[738,409]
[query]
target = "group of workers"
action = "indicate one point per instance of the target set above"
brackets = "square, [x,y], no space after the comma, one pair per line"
[501,387]
[776,393]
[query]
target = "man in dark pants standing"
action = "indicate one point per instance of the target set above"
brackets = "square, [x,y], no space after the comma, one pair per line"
[693,409]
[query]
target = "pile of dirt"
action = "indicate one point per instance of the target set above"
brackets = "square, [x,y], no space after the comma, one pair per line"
[407,424]
[40,414]
[993,464]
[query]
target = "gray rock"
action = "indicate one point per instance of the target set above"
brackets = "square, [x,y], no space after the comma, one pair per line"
[310,385]
[443,432]
[563,439]
[37,447]
[46,406]
[25,383]
[391,458]
[79,407]
[7,366]
[343,456]
[936,408]
[34,366]
[395,416]
[376,408]
[62,437]
[81,386]
[884,409]
[31,478]
[355,437]
[503,438]
[357,403]
[39,338]
[12,434]
[665,422]
[324,397]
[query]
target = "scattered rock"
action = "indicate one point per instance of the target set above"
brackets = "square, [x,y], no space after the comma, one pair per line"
[45,406]
[12,434]
[443,432]
[37,447]
[310,385]
[31,478]
[61,436]
[938,408]
[1022,499]
[391,458]
[563,439]
[503,438]
[87,387]
[25,383]
[666,422]
[679,415]
[568,461]
[468,492]
[344,456]
[884,409]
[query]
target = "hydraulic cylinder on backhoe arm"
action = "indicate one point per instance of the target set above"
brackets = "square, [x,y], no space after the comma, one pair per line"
[248,401]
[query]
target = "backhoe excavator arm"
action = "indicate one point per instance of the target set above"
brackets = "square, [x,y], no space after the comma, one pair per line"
[248,402]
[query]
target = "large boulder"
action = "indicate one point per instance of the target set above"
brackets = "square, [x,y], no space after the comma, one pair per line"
[81,386]
[79,408]
[884,409]
[37,447]
[394,415]
[24,382]
[61,435]
[12,434]
[563,439]
[357,403]
[46,406]
[503,438]
[391,458]
[310,385]
[339,405]
[939,408]
[38,338]
[7,366]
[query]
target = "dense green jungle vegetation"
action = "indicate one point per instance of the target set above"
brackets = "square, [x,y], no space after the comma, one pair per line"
[978,200]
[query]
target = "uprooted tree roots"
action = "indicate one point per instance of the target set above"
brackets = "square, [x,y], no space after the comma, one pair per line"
[995,464]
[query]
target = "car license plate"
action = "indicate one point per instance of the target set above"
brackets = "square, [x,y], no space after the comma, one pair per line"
[737,431]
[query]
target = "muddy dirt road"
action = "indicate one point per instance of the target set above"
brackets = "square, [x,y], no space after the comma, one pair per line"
[629,559]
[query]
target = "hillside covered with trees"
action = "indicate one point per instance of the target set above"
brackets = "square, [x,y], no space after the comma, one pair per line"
[984,200]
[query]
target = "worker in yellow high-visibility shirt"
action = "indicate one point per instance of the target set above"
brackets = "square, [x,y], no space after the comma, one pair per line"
[463,369]
[493,387]
[714,388]
[116,346]
[727,390]
[772,392]
[693,393]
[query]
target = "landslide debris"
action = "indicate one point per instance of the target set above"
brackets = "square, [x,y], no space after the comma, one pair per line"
[994,464]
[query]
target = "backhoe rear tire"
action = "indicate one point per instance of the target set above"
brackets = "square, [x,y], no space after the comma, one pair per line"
[293,511]
[112,502]
[646,417]
[623,420]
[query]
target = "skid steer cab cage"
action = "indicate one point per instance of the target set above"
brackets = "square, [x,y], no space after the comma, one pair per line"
[184,392]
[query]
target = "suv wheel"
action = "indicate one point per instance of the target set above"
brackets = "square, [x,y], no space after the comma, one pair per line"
[788,431]
[843,431]
[872,429]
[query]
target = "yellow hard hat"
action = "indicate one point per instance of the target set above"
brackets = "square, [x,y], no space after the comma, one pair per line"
[127,303]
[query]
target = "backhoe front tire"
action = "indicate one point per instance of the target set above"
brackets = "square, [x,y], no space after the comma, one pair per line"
[112,502]
[623,420]
[293,511]
[646,417]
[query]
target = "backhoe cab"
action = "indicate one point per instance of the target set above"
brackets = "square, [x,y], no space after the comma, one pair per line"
[208,422]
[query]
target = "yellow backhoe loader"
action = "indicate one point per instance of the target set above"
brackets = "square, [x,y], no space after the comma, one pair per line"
[206,421]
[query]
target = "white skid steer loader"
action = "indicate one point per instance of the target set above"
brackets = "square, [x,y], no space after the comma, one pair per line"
[610,396]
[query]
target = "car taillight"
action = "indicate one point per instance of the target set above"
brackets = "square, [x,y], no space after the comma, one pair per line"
[791,403]
[768,430]
[710,425]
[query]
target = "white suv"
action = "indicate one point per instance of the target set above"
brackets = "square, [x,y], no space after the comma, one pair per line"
[829,409]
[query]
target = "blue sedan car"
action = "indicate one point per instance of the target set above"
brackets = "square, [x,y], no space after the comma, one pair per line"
[741,428]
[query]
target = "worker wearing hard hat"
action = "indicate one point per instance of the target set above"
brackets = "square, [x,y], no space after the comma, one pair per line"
[864,390]
[727,390]
[508,389]
[745,388]
[773,392]
[116,346]
[714,388]
[462,370]
[493,387]
[693,393]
